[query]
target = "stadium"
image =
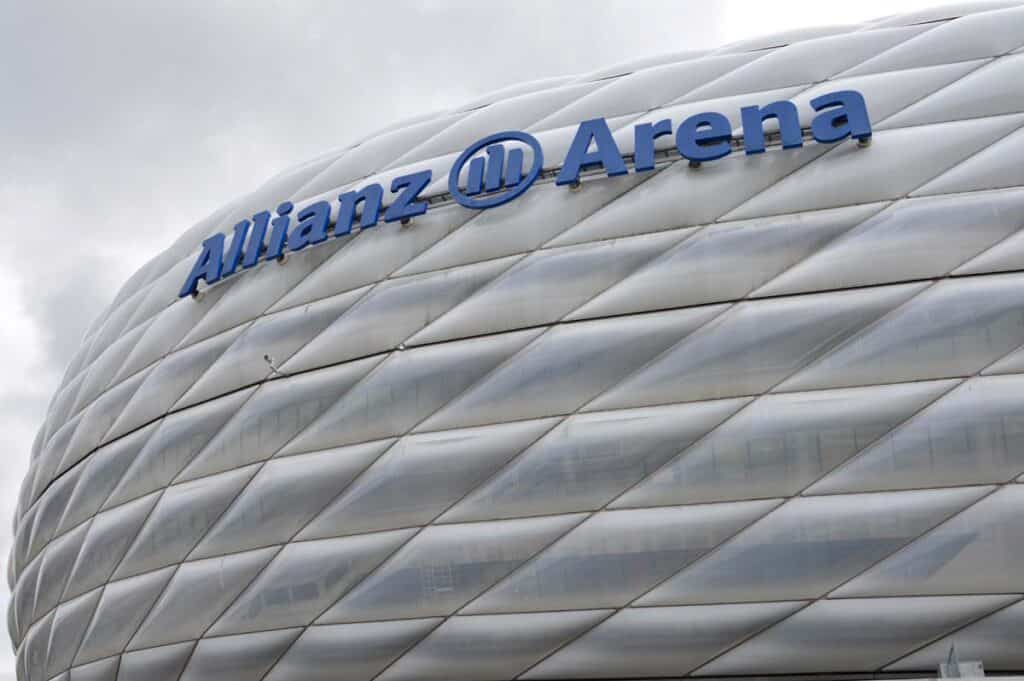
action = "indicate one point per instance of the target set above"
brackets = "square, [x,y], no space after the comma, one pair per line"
[745,410]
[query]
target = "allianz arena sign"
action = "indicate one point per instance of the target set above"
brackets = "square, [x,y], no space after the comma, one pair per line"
[492,172]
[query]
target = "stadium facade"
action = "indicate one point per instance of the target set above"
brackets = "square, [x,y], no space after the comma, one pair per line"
[746,414]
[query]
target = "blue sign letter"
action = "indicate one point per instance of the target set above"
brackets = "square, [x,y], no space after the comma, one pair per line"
[606,153]
[314,220]
[704,145]
[207,265]
[371,197]
[753,125]
[849,118]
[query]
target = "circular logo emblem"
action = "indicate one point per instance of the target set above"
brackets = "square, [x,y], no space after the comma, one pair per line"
[498,175]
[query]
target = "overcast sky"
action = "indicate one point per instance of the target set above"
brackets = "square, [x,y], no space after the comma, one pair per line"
[123,122]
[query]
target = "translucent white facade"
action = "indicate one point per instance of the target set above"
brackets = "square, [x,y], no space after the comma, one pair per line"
[765,416]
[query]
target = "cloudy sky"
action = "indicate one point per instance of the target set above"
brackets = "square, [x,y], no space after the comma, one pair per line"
[123,122]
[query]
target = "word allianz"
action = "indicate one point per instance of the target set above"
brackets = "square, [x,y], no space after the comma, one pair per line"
[498,176]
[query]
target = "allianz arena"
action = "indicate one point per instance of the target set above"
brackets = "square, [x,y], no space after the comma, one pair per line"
[762,416]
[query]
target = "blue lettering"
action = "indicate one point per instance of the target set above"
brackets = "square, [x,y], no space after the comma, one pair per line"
[279,233]
[606,153]
[207,266]
[704,137]
[753,125]
[643,142]
[371,196]
[847,116]
[255,245]
[314,221]
[235,251]
[405,205]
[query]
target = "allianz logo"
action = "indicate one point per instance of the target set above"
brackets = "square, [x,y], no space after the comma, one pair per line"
[492,172]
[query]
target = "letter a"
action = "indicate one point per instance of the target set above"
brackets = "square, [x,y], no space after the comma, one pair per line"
[606,153]
[849,118]
[207,266]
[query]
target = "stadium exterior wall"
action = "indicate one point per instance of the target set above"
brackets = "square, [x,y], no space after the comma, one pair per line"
[759,416]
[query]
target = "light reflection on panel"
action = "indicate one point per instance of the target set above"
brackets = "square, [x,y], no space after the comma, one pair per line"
[753,346]
[268,511]
[196,595]
[422,475]
[566,367]
[616,556]
[489,647]
[444,567]
[973,435]
[165,662]
[305,578]
[841,636]
[590,458]
[781,443]
[955,328]
[978,551]
[348,652]
[237,658]
[810,545]
[641,642]
[69,625]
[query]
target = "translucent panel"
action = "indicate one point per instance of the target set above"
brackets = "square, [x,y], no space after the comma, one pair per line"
[856,175]
[514,113]
[489,648]
[547,285]
[96,421]
[955,328]
[589,459]
[1011,364]
[305,578]
[681,196]
[782,443]
[238,658]
[34,649]
[984,34]
[277,411]
[176,441]
[45,465]
[990,168]
[110,535]
[374,254]
[104,670]
[55,568]
[23,598]
[1004,256]
[375,152]
[913,239]
[103,470]
[443,567]
[644,89]
[973,435]
[421,476]
[524,224]
[51,507]
[69,625]
[407,387]
[165,662]
[119,613]
[992,90]
[806,61]
[394,310]
[840,636]
[197,595]
[277,336]
[567,367]
[270,512]
[169,380]
[642,642]
[980,550]
[104,367]
[616,556]
[348,652]
[810,545]
[182,516]
[724,262]
[753,346]
[995,640]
